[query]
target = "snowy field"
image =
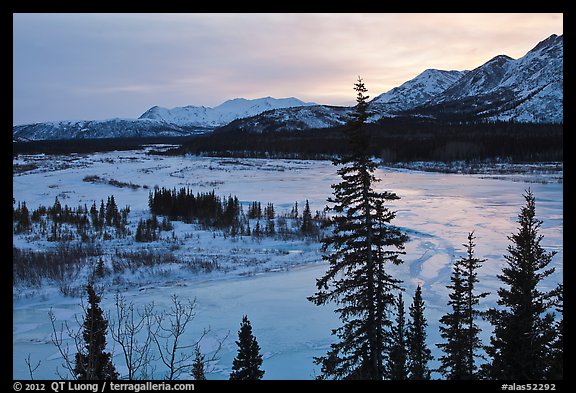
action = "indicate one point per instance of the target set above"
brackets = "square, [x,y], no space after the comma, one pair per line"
[269,279]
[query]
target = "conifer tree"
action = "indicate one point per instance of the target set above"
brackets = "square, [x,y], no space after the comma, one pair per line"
[418,352]
[102,214]
[397,358]
[100,270]
[257,230]
[94,216]
[94,363]
[458,326]
[294,212]
[307,225]
[198,372]
[24,222]
[246,365]
[524,324]
[362,242]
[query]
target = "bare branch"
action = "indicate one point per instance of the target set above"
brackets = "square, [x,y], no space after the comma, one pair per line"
[125,329]
[31,369]
[57,338]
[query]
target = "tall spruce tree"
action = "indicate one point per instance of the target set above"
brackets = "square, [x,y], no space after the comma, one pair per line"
[94,363]
[524,324]
[396,365]
[418,352]
[458,326]
[362,242]
[246,365]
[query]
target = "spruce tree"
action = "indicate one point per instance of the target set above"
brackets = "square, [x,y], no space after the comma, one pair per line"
[246,365]
[524,324]
[198,372]
[362,242]
[307,224]
[458,326]
[100,270]
[94,363]
[24,222]
[397,359]
[418,352]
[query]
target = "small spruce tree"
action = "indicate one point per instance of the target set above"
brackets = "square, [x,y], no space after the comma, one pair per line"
[198,369]
[307,225]
[418,352]
[246,365]
[458,326]
[94,363]
[397,359]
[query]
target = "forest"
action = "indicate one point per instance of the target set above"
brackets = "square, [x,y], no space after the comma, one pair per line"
[393,140]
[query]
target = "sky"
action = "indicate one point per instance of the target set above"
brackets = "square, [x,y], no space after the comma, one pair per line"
[101,66]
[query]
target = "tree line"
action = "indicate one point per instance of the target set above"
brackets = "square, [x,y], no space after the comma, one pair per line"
[227,214]
[394,140]
[59,223]
[103,223]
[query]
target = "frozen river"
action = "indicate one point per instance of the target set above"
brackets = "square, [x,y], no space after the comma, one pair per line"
[436,210]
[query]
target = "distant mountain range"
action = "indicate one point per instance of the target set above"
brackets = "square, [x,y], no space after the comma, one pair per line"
[528,89]
[204,117]
[156,121]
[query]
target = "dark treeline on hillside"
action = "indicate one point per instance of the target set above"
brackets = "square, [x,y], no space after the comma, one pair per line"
[396,140]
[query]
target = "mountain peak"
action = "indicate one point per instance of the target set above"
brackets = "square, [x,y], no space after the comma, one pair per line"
[236,108]
[500,60]
[548,42]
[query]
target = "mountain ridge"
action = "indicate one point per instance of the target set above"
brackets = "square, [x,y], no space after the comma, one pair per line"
[230,110]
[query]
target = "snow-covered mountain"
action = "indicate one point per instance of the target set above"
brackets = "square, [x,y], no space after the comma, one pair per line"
[406,96]
[292,119]
[156,121]
[414,92]
[238,108]
[528,89]
[92,129]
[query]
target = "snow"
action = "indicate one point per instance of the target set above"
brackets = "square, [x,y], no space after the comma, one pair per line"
[417,91]
[222,114]
[270,279]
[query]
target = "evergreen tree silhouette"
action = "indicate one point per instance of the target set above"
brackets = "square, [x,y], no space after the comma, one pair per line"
[94,363]
[246,365]
[524,325]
